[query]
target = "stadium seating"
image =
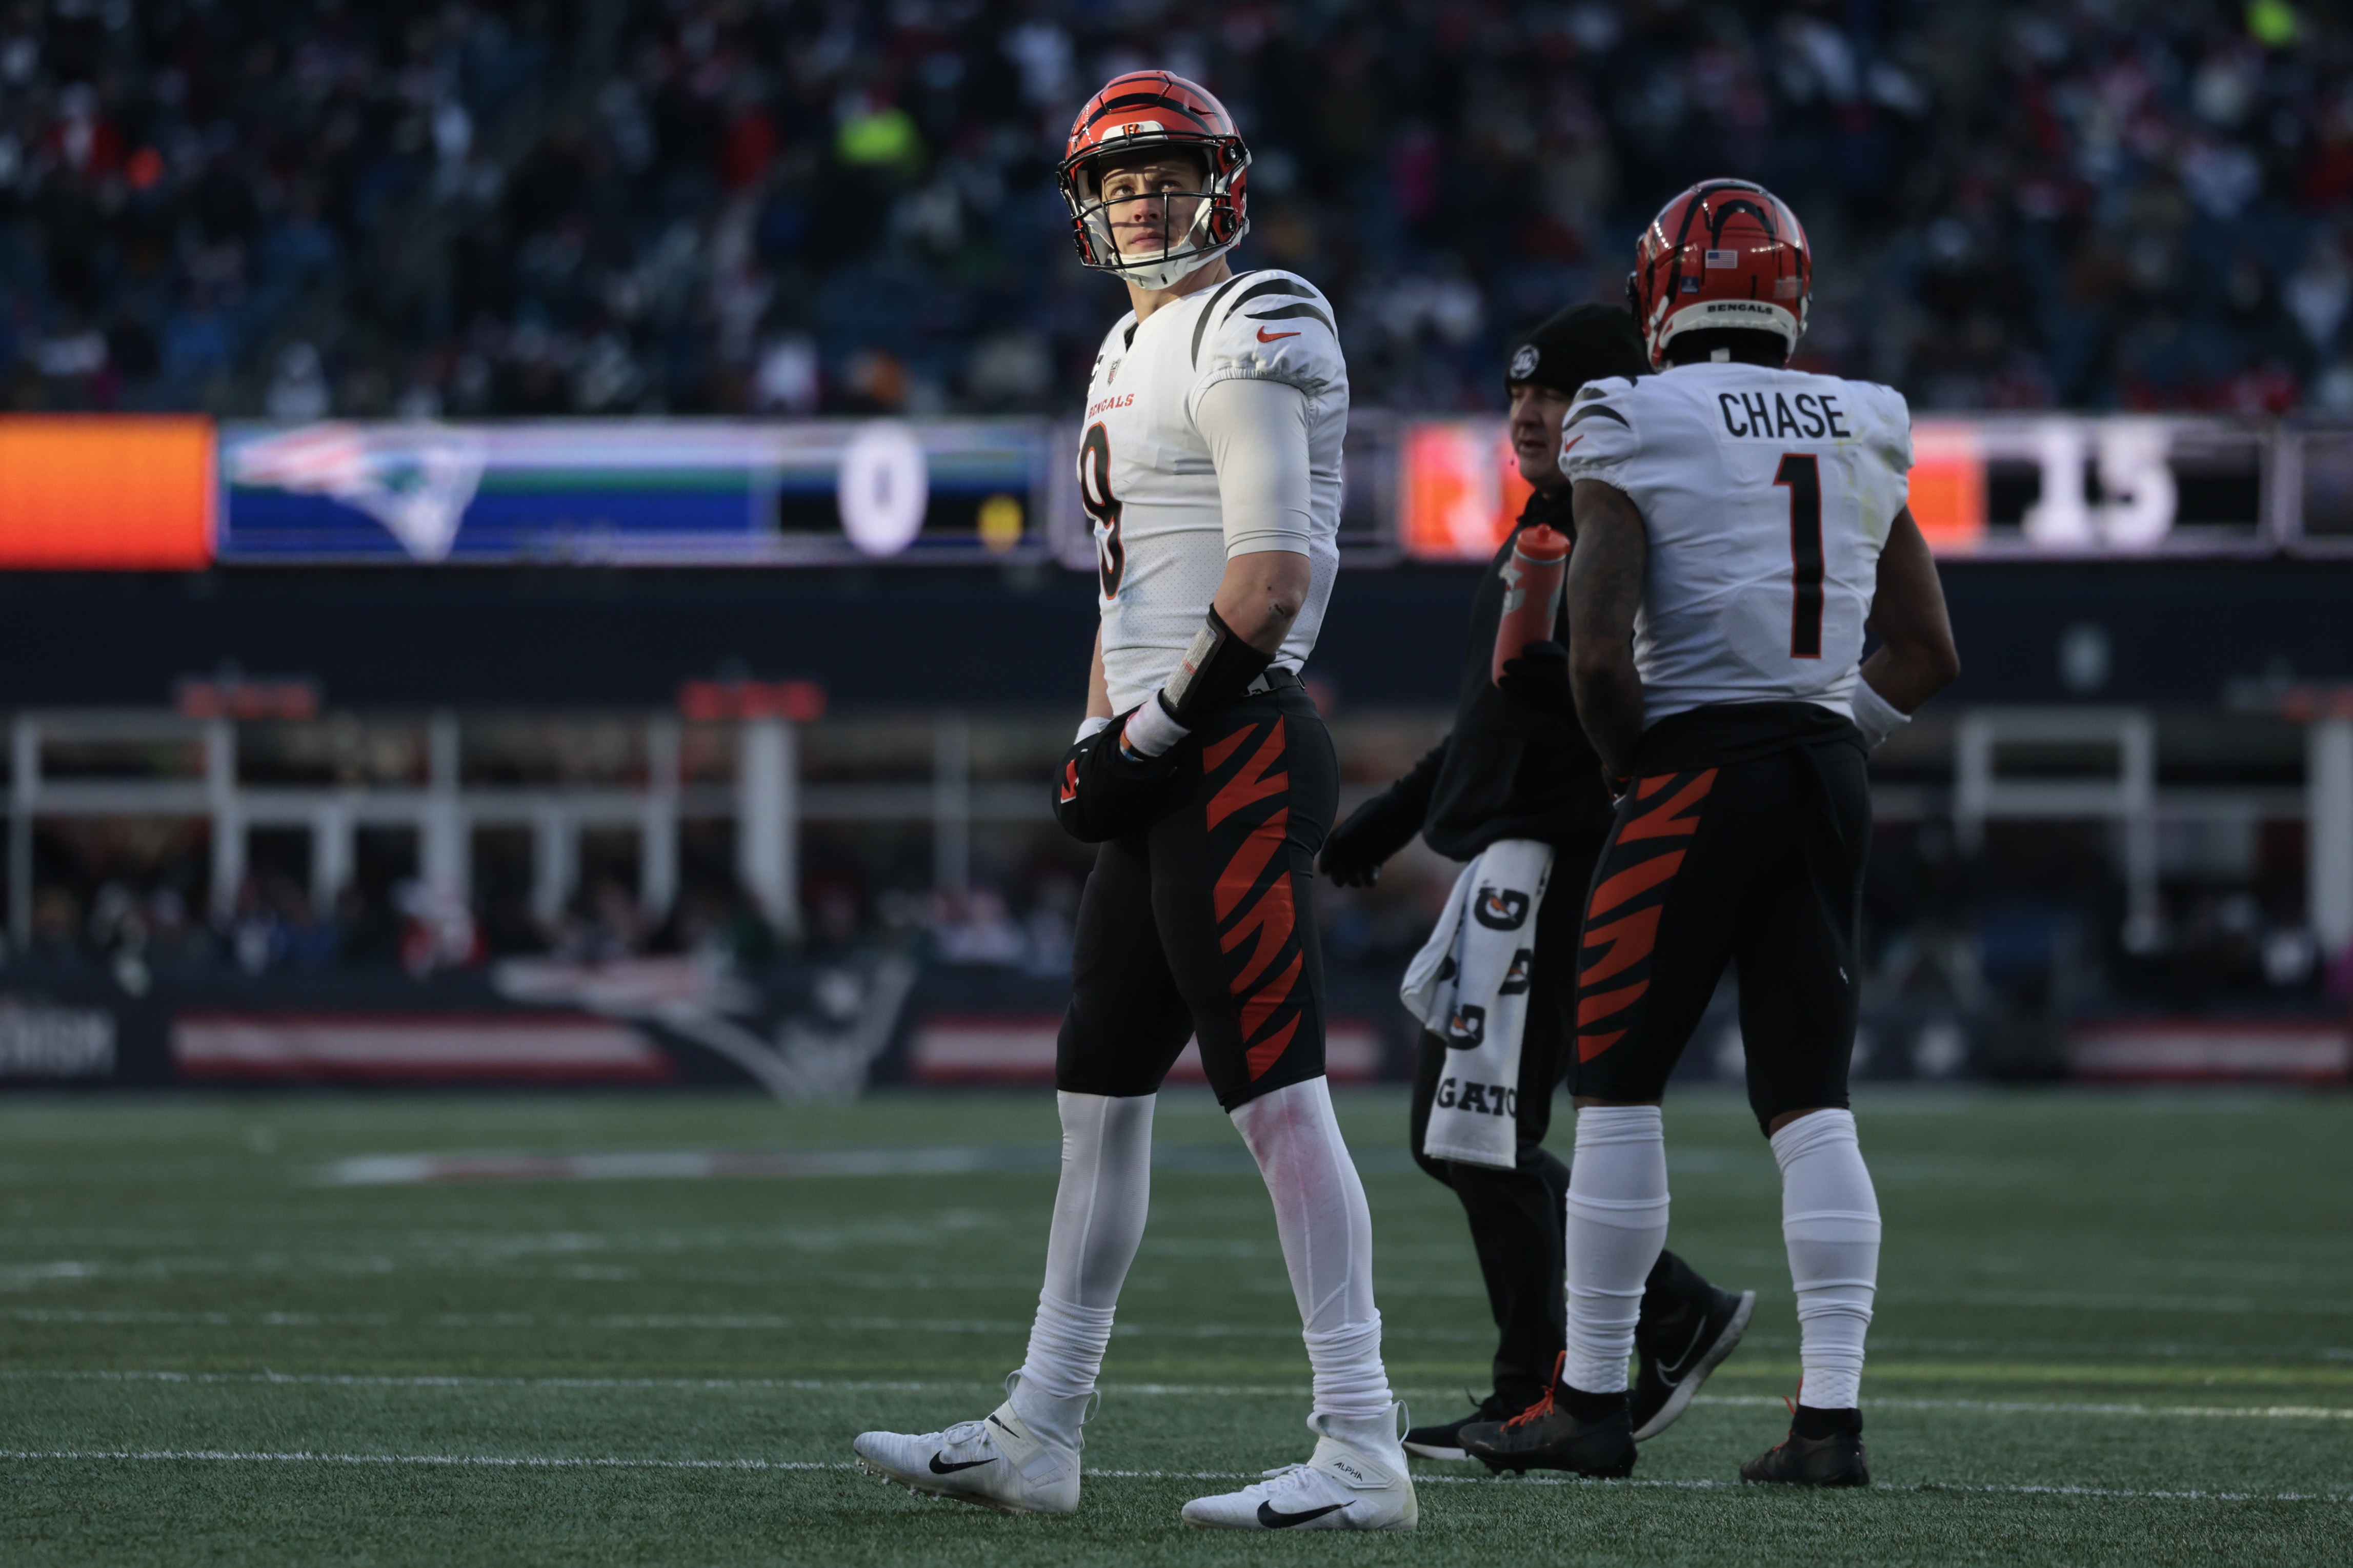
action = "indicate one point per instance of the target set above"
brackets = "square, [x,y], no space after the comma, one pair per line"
[599,205]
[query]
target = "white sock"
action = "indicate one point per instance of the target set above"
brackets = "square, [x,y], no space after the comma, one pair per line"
[1829,1218]
[1099,1209]
[1617,1228]
[1327,1243]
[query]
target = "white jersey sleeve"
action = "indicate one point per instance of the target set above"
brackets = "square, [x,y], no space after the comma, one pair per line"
[1597,441]
[1258,434]
[1268,326]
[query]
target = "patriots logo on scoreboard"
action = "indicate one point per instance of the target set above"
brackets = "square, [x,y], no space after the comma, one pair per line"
[416,481]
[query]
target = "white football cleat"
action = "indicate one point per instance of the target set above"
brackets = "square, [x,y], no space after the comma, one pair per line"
[998,1463]
[1344,1486]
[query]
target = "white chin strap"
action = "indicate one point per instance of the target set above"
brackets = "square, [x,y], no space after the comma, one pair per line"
[1166,274]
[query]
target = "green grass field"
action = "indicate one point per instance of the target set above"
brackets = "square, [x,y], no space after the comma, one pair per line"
[2112,1330]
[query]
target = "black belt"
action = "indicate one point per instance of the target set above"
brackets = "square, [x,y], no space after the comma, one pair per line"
[1274,680]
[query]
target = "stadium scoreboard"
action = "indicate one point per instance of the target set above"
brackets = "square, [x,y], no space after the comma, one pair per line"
[180,493]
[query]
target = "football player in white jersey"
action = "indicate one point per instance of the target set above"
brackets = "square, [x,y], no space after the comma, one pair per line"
[1739,527]
[1211,465]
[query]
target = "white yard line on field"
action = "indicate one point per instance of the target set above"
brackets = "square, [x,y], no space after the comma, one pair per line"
[1147,1390]
[602,1462]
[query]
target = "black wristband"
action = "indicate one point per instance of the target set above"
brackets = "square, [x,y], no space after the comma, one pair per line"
[1215,670]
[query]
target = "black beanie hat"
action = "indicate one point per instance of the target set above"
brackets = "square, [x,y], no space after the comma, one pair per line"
[1582,344]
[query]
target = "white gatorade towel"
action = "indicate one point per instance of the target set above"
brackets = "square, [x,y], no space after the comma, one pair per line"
[1469,986]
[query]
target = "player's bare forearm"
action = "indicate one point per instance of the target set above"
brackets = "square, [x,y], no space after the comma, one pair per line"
[1098,688]
[1260,594]
[1604,591]
[1915,658]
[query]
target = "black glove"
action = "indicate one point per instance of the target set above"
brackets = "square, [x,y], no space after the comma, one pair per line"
[1353,852]
[1538,680]
[1104,793]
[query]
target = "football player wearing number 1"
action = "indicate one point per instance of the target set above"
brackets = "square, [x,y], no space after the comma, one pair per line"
[1739,526]
[1210,464]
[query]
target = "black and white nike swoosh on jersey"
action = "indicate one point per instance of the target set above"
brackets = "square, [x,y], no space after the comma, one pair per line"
[1273,1520]
[940,1469]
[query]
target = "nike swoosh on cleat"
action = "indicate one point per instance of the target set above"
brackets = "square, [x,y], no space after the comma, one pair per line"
[1670,1372]
[1266,337]
[940,1469]
[1273,1520]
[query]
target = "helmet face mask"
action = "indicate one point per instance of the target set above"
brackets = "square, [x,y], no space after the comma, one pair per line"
[1155,118]
[1727,255]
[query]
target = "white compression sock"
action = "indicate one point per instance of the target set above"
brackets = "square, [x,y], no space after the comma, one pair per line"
[1099,1209]
[1617,1228]
[1327,1243]
[1830,1219]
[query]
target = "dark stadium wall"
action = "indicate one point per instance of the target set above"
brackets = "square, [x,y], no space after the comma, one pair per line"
[2177,631]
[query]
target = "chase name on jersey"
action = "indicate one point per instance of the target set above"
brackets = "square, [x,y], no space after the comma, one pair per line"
[1753,416]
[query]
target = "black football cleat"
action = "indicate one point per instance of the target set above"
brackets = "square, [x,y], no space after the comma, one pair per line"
[1675,1361]
[1833,1458]
[1444,1440]
[1548,1435]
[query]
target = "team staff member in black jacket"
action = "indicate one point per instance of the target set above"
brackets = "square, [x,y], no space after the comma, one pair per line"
[1516,766]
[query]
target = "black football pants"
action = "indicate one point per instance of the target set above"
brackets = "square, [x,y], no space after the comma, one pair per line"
[1205,923]
[1755,864]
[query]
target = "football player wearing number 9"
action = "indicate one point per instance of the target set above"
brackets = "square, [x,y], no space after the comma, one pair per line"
[1739,527]
[1211,465]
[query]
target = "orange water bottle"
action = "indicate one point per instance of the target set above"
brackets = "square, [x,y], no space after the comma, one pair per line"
[1532,585]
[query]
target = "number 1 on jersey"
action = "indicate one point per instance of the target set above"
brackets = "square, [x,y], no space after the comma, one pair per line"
[1803,473]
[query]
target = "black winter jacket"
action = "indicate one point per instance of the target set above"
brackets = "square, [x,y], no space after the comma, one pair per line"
[1505,772]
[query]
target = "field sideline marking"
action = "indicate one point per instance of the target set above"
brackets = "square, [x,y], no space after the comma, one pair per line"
[599,1462]
[1175,1390]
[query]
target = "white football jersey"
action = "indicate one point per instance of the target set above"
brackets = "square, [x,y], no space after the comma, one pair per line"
[1766,495]
[1145,478]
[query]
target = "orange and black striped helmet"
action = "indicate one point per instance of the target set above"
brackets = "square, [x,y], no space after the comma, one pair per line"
[1135,112]
[1724,254]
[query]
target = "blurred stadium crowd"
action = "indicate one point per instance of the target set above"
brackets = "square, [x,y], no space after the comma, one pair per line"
[538,206]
